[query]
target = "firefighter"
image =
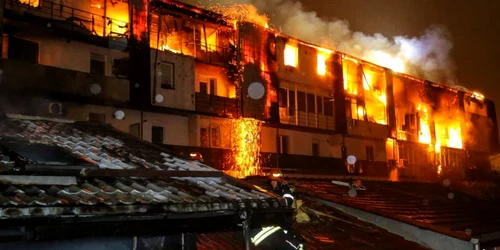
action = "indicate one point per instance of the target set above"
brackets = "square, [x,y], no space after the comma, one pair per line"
[276,237]
[279,187]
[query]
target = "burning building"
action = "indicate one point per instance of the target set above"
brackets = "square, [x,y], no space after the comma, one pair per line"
[187,78]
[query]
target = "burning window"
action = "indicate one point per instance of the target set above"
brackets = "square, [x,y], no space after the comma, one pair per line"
[208,39]
[374,87]
[32,3]
[321,68]
[291,54]
[350,68]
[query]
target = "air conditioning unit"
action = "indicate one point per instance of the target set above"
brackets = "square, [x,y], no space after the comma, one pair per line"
[55,108]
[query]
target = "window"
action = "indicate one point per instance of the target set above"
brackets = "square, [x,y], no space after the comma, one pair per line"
[204,141]
[204,88]
[291,54]
[301,101]
[311,103]
[321,67]
[282,144]
[315,148]
[356,110]
[215,136]
[97,64]
[328,106]
[282,98]
[134,129]
[208,39]
[166,77]
[291,102]
[95,117]
[213,86]
[157,134]
[24,50]
[319,104]
[369,153]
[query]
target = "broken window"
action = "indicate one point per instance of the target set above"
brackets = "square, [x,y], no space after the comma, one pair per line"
[166,76]
[157,134]
[97,64]
[22,49]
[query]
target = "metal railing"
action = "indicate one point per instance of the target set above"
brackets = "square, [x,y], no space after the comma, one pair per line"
[218,105]
[61,16]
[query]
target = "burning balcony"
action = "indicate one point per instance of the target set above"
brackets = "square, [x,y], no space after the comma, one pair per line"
[103,18]
[365,86]
[192,37]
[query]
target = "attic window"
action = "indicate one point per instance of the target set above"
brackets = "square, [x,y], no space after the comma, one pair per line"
[166,75]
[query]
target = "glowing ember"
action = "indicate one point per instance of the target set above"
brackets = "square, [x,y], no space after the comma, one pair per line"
[439,170]
[241,13]
[245,147]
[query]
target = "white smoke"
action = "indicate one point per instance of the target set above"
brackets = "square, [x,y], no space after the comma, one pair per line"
[427,56]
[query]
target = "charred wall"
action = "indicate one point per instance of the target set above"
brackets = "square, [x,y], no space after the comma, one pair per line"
[258,59]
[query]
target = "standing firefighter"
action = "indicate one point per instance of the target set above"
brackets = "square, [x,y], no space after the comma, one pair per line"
[276,237]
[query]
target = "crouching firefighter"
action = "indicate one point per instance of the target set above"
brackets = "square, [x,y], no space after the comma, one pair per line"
[276,237]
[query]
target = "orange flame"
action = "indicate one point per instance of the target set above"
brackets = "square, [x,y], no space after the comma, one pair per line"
[246,147]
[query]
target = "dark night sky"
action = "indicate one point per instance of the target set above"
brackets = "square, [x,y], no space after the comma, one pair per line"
[474,25]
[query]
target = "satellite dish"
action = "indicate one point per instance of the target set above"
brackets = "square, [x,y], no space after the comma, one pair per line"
[119,114]
[159,98]
[256,90]
[351,159]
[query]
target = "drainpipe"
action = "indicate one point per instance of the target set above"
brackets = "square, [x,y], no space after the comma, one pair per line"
[475,244]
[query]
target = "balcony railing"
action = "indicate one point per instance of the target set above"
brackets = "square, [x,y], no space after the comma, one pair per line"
[71,19]
[216,105]
[20,76]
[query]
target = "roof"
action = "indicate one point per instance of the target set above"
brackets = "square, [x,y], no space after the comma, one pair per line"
[332,229]
[433,206]
[74,169]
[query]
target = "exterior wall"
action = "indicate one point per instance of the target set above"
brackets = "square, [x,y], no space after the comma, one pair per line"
[181,94]
[306,70]
[72,55]
[357,147]
[299,142]
[175,128]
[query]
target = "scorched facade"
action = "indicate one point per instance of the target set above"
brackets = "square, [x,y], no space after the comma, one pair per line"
[181,76]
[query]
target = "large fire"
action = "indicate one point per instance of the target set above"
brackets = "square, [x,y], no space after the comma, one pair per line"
[32,3]
[245,147]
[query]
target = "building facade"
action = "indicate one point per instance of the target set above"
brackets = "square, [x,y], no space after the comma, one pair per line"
[180,76]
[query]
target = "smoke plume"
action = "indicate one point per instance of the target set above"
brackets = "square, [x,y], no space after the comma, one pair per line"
[426,56]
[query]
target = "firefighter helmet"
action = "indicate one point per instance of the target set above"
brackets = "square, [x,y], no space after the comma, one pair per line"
[276,175]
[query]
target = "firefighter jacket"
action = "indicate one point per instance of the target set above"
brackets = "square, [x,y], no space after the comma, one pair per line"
[285,192]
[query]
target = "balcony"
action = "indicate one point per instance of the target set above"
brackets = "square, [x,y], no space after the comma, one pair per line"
[216,105]
[61,17]
[24,77]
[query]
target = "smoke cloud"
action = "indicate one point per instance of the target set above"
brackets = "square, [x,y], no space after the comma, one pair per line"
[426,56]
